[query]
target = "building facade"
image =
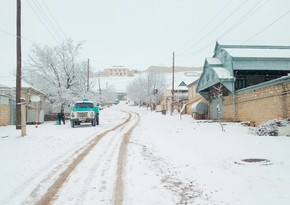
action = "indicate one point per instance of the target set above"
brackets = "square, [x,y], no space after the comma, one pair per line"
[235,71]
[34,110]
[4,110]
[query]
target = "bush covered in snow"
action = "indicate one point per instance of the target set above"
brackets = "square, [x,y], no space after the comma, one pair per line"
[270,128]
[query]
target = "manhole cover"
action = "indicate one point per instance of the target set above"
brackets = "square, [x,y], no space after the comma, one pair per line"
[254,161]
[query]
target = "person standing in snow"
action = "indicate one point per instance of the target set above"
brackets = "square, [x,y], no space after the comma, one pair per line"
[60,117]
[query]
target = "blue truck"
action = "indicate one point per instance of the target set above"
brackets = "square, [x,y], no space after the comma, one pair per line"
[84,112]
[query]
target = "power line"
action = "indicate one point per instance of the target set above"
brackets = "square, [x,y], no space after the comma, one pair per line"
[206,25]
[47,19]
[32,41]
[244,17]
[217,26]
[42,22]
[54,19]
[285,14]
[250,37]
[14,35]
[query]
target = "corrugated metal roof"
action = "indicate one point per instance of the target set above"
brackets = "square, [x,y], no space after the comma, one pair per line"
[258,53]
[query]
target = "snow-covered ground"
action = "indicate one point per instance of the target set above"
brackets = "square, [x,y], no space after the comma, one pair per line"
[169,161]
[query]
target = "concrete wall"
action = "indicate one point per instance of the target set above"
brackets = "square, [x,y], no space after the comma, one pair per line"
[259,105]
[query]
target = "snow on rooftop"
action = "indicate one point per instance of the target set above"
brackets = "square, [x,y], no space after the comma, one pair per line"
[222,72]
[259,53]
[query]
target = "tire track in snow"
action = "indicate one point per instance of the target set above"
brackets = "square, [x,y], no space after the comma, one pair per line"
[49,196]
[122,158]
[97,182]
[59,163]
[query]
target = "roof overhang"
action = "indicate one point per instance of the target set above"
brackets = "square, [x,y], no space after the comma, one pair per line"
[212,76]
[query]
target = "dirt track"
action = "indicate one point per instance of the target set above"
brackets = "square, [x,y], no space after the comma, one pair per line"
[53,192]
[121,162]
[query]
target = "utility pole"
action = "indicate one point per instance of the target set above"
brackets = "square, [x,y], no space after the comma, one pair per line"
[172,91]
[100,91]
[18,71]
[88,76]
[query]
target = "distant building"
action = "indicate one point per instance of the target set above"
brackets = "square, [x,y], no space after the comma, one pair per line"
[117,72]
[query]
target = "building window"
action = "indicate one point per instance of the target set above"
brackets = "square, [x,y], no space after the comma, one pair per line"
[240,82]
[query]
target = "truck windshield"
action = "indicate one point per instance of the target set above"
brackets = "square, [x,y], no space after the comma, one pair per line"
[84,105]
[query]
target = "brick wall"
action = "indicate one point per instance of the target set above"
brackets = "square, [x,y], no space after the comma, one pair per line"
[4,115]
[259,105]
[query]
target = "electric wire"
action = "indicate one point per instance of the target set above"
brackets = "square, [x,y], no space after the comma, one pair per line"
[208,23]
[59,27]
[45,17]
[23,38]
[63,36]
[51,34]
[218,25]
[256,33]
[60,36]
[241,20]
[285,14]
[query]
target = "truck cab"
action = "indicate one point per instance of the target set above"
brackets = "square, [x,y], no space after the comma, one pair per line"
[84,112]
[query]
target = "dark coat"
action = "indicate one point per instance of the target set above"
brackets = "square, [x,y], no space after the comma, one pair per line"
[60,115]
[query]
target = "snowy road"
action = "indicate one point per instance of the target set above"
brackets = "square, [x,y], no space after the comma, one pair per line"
[149,159]
[89,172]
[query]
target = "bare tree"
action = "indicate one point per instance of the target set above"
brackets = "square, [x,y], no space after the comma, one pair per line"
[136,90]
[147,89]
[157,83]
[108,95]
[218,94]
[58,72]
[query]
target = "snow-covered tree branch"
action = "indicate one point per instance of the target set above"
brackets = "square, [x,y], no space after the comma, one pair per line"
[59,72]
[147,89]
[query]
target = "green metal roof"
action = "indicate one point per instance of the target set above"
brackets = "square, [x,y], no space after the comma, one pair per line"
[212,76]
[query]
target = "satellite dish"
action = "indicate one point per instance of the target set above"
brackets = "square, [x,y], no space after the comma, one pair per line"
[35,98]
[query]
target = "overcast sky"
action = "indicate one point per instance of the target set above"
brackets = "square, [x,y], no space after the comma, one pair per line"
[140,33]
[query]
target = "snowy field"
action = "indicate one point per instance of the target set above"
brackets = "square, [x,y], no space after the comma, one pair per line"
[169,161]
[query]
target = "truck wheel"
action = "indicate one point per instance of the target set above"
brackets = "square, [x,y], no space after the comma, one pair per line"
[72,124]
